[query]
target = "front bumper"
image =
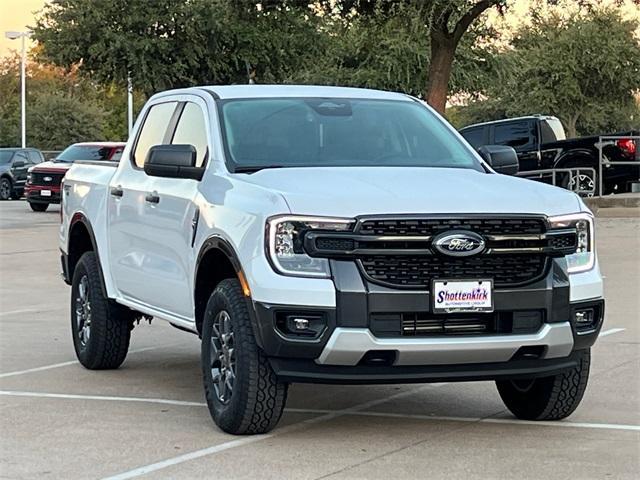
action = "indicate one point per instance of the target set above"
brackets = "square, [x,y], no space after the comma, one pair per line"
[351,349]
[33,193]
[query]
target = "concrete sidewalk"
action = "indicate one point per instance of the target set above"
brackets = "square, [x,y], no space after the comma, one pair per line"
[618,205]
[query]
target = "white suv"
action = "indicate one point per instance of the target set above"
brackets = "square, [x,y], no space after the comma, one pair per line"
[332,235]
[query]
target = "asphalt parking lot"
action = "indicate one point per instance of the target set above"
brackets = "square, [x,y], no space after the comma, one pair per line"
[148,419]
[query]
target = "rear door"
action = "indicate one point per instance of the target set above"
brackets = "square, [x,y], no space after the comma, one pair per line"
[136,273]
[522,136]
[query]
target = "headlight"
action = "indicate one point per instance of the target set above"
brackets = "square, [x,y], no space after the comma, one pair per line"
[585,256]
[284,244]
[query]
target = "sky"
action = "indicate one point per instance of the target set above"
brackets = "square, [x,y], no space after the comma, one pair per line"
[16,15]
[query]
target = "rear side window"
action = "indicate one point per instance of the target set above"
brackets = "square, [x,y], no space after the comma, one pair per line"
[117,154]
[475,136]
[192,130]
[514,134]
[153,130]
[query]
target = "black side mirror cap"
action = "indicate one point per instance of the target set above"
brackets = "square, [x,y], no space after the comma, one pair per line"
[19,164]
[502,159]
[173,161]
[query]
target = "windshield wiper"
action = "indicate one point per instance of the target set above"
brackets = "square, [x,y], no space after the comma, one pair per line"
[255,168]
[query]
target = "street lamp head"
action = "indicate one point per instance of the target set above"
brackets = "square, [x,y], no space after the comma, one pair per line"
[15,35]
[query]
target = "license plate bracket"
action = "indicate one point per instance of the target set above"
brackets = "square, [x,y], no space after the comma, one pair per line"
[453,296]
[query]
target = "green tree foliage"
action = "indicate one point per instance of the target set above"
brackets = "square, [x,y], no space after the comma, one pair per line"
[174,43]
[407,45]
[585,71]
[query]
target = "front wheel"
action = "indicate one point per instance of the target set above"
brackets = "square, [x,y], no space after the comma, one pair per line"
[547,398]
[38,207]
[243,393]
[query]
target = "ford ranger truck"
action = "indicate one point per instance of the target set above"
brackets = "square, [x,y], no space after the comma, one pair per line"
[330,235]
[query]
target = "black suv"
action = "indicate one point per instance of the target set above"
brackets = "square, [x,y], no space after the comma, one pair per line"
[541,144]
[14,163]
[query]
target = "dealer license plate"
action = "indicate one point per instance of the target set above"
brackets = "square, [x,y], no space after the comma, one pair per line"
[462,296]
[45,193]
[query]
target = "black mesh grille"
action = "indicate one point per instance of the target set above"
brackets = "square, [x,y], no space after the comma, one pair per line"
[335,244]
[427,227]
[418,271]
[38,178]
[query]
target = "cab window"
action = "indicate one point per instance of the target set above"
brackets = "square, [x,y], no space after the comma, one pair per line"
[192,130]
[153,130]
[516,134]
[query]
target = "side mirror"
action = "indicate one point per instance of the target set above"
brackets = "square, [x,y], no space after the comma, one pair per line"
[173,161]
[19,164]
[502,159]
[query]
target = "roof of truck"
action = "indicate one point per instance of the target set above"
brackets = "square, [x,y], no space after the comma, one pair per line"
[513,119]
[301,91]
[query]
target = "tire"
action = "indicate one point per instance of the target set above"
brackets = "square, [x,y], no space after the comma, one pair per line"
[103,342]
[38,207]
[256,399]
[548,398]
[6,189]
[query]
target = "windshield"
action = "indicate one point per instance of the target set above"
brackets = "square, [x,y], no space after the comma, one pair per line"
[84,152]
[318,132]
[5,156]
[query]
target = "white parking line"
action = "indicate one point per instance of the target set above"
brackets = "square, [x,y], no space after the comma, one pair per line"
[611,331]
[323,415]
[71,362]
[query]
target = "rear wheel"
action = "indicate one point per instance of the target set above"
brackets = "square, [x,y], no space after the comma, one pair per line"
[101,328]
[38,207]
[6,189]
[243,393]
[548,398]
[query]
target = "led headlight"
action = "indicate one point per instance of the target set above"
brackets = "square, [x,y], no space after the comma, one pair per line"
[585,257]
[285,244]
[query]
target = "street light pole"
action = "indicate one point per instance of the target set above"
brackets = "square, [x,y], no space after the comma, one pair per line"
[23,79]
[23,93]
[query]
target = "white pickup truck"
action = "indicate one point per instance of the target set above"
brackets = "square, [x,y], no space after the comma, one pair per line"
[330,235]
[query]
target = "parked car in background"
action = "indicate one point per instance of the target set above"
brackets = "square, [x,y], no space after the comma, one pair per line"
[43,182]
[541,143]
[14,163]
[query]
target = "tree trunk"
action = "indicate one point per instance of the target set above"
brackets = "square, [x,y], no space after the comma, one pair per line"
[442,53]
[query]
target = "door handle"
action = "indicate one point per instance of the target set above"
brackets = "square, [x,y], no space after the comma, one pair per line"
[117,191]
[152,198]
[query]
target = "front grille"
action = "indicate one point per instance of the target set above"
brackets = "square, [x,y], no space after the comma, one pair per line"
[425,324]
[418,271]
[433,226]
[38,178]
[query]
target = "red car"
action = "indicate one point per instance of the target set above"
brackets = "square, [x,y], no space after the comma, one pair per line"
[43,180]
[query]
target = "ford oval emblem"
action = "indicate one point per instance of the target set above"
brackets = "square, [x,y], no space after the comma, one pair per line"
[47,179]
[459,243]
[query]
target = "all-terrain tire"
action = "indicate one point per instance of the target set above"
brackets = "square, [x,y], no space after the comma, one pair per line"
[548,398]
[257,399]
[110,324]
[38,207]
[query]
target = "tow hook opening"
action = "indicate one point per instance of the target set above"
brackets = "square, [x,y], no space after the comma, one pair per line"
[531,352]
[379,358]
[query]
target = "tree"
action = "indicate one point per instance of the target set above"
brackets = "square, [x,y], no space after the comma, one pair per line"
[174,43]
[585,71]
[62,107]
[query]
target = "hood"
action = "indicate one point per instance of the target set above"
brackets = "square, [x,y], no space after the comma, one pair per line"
[59,166]
[353,191]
